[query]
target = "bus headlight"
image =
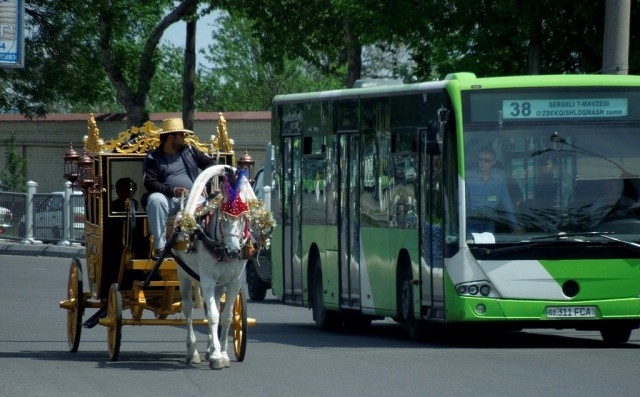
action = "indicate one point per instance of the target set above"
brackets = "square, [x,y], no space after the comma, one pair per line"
[473,288]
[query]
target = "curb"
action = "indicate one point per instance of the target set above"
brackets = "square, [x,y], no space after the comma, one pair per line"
[50,250]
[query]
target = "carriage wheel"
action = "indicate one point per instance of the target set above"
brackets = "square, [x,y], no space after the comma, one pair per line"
[114,321]
[239,324]
[76,308]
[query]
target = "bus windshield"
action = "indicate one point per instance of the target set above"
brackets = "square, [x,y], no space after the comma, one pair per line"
[571,166]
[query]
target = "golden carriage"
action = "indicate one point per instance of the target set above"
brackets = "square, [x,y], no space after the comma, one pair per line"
[120,272]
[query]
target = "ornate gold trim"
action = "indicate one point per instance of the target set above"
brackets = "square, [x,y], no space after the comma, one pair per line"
[146,138]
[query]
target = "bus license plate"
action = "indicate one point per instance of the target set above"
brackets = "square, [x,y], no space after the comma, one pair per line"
[571,312]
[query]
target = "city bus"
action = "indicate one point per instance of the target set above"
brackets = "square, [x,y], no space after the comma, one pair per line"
[553,241]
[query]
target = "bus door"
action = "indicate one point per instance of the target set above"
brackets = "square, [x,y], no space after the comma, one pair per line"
[432,217]
[292,189]
[348,218]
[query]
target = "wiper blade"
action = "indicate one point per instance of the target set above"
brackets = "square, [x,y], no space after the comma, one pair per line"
[537,241]
[606,235]
[486,252]
[563,235]
[629,244]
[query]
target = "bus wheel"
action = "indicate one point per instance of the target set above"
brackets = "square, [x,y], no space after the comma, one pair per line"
[615,335]
[327,320]
[257,289]
[406,308]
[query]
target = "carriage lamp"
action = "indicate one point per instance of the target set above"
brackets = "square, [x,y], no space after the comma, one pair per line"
[71,165]
[85,171]
[247,163]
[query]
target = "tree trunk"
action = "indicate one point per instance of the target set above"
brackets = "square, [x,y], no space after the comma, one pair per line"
[189,76]
[354,55]
[615,52]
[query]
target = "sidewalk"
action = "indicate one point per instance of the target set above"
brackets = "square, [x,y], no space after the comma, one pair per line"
[10,247]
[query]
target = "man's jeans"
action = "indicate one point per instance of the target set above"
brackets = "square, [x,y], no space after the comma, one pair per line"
[159,208]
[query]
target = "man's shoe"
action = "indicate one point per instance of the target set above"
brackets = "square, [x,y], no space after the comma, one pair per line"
[157,253]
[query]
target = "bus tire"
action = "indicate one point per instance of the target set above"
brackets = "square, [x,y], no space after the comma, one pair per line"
[327,320]
[405,309]
[615,335]
[257,289]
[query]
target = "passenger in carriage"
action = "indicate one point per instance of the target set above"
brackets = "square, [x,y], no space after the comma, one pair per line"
[169,172]
[125,189]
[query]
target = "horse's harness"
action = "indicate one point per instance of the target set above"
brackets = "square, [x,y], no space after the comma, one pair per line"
[215,244]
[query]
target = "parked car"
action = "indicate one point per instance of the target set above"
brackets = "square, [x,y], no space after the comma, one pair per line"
[5,220]
[258,270]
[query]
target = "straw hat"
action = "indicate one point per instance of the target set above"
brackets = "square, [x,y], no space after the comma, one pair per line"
[173,125]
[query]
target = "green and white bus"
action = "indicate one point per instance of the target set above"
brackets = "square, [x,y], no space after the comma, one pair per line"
[561,249]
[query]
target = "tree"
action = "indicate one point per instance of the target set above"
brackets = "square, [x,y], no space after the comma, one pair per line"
[243,76]
[314,31]
[92,52]
[12,175]
[507,37]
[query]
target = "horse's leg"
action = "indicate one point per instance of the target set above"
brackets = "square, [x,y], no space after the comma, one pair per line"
[209,334]
[227,316]
[187,309]
[213,317]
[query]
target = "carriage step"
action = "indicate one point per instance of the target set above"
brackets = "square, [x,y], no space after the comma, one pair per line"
[160,283]
[147,264]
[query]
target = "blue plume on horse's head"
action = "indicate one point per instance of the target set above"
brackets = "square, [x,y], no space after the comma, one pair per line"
[233,181]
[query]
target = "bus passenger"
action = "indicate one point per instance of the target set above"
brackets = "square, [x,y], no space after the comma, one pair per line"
[169,172]
[488,199]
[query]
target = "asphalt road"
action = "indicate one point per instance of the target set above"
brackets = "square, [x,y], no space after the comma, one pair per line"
[287,355]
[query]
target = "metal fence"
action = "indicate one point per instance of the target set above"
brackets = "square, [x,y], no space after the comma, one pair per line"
[33,217]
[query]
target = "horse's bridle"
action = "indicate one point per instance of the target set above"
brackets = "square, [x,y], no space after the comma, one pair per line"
[215,244]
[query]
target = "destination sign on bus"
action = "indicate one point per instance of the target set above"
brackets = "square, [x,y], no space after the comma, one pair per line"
[519,109]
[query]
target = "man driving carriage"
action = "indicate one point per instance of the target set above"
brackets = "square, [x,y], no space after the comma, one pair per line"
[169,172]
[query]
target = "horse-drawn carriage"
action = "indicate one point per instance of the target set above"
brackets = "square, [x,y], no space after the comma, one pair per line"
[121,273]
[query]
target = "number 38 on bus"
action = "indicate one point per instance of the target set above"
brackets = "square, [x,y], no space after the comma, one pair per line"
[509,202]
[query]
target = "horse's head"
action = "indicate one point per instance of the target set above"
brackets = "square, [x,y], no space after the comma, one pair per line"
[222,223]
[233,226]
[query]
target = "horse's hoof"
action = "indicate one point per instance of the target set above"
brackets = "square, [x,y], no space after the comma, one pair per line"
[226,362]
[216,364]
[195,359]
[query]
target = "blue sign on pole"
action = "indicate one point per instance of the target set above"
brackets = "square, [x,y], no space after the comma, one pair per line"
[12,33]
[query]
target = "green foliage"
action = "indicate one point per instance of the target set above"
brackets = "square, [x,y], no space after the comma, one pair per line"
[13,175]
[288,29]
[241,75]
[88,54]
[166,85]
[105,55]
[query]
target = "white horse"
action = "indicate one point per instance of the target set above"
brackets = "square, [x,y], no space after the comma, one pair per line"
[214,254]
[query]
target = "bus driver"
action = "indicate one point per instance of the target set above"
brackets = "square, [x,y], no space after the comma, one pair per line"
[488,199]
